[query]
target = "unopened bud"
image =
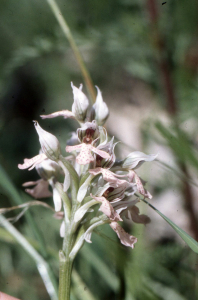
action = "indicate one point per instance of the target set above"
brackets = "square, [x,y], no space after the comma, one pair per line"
[48,169]
[49,143]
[81,103]
[100,111]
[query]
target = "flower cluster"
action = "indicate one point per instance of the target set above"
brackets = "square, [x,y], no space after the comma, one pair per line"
[97,189]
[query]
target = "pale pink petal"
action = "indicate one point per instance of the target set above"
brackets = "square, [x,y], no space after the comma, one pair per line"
[108,176]
[95,171]
[73,148]
[100,152]
[141,188]
[85,156]
[131,175]
[40,190]
[107,208]
[32,162]
[125,238]
[63,113]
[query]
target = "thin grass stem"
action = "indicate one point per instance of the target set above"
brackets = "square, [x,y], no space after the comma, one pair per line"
[67,32]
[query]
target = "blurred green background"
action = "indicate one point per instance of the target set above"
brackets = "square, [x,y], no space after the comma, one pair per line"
[143,55]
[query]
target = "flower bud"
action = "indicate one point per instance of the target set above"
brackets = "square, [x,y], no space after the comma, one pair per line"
[88,133]
[81,103]
[48,169]
[49,143]
[135,159]
[100,111]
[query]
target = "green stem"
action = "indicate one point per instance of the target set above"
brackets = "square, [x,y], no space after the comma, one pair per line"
[66,30]
[65,271]
[66,262]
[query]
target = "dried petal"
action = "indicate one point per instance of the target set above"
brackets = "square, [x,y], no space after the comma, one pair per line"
[125,238]
[133,213]
[40,190]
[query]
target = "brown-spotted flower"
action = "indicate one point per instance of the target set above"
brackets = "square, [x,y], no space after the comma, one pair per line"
[87,135]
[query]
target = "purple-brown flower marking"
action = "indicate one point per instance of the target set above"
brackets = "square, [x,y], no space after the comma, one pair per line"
[30,163]
[85,155]
[125,238]
[88,133]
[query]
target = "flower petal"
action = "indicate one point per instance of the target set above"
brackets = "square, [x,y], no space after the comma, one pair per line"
[107,208]
[123,205]
[136,159]
[83,210]
[62,229]
[32,162]
[100,152]
[88,233]
[109,176]
[31,183]
[73,148]
[57,200]
[63,113]
[41,190]
[133,213]
[125,238]
[141,188]
[85,156]
[83,189]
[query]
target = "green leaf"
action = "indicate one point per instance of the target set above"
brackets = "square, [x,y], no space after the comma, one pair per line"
[185,236]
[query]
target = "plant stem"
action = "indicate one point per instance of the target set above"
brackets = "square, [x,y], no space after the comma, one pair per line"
[65,272]
[66,30]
